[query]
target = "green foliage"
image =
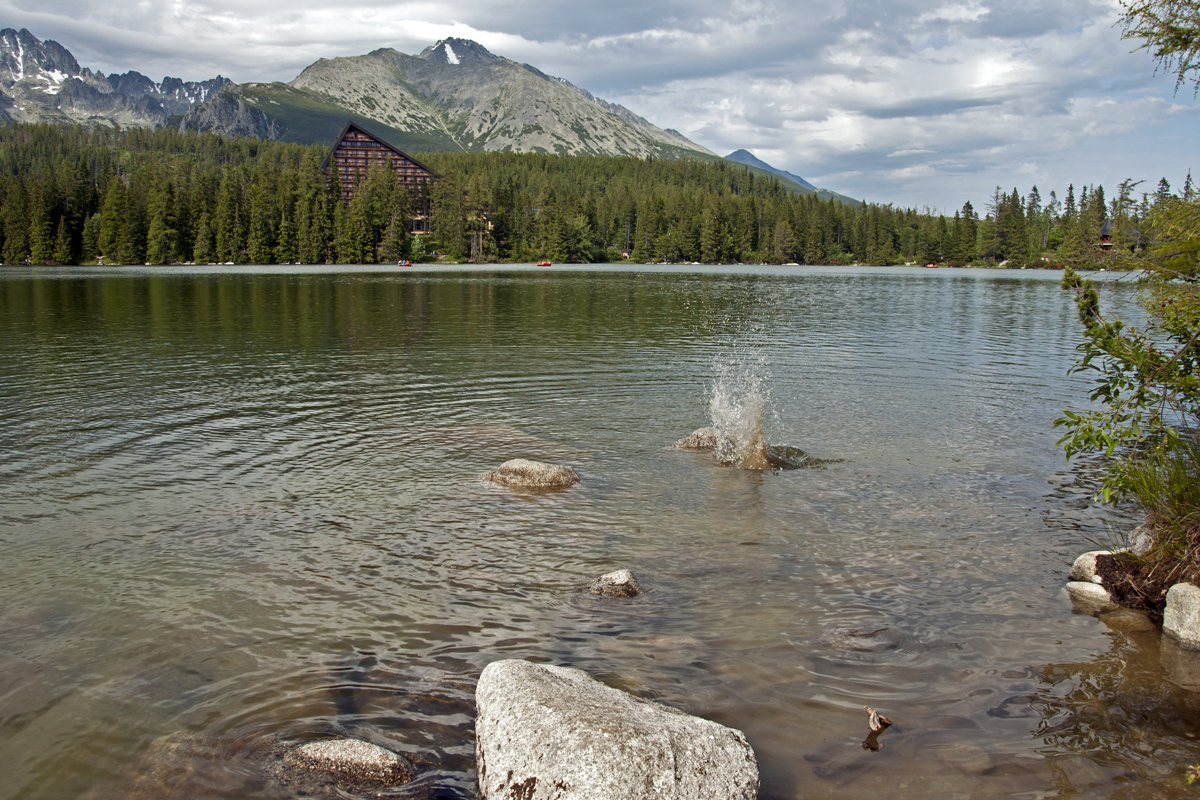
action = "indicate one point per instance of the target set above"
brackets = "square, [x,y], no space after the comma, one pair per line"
[74,193]
[1170,30]
[1147,380]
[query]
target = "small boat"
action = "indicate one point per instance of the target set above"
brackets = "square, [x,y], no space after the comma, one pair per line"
[544,264]
[404,262]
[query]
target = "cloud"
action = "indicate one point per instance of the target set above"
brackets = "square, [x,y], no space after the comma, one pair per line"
[919,102]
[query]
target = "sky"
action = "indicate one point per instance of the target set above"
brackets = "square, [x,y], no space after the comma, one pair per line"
[919,103]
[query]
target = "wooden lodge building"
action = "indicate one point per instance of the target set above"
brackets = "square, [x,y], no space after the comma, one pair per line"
[355,152]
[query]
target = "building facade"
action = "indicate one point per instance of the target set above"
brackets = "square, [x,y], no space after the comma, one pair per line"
[356,151]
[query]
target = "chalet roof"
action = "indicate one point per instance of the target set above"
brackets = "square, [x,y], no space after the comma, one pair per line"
[351,125]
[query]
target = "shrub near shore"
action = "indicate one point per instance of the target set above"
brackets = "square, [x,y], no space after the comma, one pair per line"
[1148,381]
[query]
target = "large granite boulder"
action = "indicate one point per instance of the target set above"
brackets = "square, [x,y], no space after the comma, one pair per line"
[523,473]
[547,732]
[1181,617]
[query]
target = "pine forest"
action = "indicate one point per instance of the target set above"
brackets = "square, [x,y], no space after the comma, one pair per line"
[95,195]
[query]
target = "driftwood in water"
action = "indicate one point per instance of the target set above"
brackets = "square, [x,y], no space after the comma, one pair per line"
[878,724]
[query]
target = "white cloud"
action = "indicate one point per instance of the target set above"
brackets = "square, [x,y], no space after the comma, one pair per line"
[916,102]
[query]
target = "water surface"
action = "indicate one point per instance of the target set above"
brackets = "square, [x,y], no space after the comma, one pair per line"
[241,507]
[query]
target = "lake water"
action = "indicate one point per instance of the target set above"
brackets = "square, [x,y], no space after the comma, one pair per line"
[242,507]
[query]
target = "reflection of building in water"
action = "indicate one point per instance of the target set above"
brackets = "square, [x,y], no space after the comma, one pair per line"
[355,152]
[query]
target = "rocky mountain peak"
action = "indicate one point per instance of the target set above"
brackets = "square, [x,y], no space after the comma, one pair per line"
[457,51]
[42,81]
[23,57]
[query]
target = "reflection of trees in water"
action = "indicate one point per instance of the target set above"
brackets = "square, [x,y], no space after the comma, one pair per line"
[1117,725]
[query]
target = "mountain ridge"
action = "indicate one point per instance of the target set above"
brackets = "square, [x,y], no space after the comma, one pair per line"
[749,159]
[458,91]
[41,81]
[455,95]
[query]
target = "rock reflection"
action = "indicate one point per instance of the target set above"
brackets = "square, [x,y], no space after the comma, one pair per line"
[1122,724]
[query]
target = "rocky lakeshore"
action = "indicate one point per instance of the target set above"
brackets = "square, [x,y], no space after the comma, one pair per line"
[1093,589]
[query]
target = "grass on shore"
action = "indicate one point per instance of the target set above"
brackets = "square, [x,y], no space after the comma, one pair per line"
[1167,484]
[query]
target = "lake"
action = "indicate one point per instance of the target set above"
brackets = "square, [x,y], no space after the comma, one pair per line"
[242,508]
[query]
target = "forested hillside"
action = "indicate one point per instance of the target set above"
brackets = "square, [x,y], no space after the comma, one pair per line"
[95,195]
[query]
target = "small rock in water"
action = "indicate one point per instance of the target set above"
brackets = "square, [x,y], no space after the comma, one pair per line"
[867,639]
[616,584]
[968,757]
[1128,620]
[350,763]
[526,474]
[1089,598]
[699,439]
[878,724]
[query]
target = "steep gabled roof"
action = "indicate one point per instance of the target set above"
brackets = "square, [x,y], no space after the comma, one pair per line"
[351,125]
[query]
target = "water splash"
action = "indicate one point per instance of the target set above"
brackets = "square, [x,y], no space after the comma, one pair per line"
[736,405]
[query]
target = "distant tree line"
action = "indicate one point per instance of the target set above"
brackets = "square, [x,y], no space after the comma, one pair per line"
[71,195]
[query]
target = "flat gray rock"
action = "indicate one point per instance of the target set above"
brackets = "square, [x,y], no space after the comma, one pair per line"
[523,473]
[552,733]
[331,768]
[359,761]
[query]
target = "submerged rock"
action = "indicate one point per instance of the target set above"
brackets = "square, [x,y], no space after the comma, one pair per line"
[754,454]
[526,474]
[865,639]
[1090,598]
[1128,620]
[1181,665]
[616,584]
[552,732]
[181,766]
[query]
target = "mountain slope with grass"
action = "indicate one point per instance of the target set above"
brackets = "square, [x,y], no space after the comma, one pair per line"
[455,95]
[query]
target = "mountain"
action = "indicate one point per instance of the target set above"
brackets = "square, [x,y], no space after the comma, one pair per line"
[750,160]
[42,82]
[454,95]
[746,158]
